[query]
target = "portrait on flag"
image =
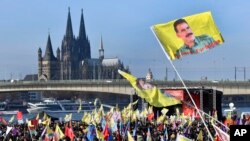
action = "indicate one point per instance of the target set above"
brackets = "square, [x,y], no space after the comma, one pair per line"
[143,85]
[188,35]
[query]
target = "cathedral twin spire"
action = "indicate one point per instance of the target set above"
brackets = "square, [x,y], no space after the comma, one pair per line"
[69,29]
[69,36]
[79,48]
[68,63]
[82,32]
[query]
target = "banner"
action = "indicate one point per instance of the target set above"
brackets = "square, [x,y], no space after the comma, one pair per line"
[189,35]
[178,94]
[186,107]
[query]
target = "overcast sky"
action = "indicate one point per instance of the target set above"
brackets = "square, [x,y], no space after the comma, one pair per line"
[125,29]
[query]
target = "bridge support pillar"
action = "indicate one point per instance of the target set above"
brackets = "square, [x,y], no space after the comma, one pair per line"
[131,98]
[144,104]
[214,98]
[201,99]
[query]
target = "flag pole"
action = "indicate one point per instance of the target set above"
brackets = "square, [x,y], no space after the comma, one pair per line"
[209,133]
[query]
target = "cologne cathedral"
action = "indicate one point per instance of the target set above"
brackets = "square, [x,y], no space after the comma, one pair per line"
[73,61]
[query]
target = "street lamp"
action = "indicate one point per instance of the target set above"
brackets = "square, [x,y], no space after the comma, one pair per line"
[231,106]
[232,110]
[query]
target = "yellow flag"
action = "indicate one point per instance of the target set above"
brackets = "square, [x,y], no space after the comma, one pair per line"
[97,116]
[182,138]
[160,119]
[37,116]
[177,113]
[150,109]
[46,122]
[134,116]
[188,35]
[111,110]
[99,135]
[150,93]
[135,102]
[130,138]
[164,111]
[86,118]
[129,107]
[45,116]
[144,113]
[49,131]
[29,124]
[59,132]
[200,136]
[101,110]
[126,114]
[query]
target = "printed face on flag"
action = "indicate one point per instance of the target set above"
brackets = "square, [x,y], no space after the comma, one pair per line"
[143,85]
[188,35]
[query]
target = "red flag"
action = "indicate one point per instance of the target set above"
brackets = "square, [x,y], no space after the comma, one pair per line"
[106,132]
[69,132]
[3,121]
[151,116]
[19,115]
[47,138]
[217,138]
[118,136]
[34,122]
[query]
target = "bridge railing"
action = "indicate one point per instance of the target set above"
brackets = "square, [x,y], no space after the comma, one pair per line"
[107,81]
[228,87]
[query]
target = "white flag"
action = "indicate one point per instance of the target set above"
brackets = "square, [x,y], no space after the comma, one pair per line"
[68,117]
[12,119]
[8,130]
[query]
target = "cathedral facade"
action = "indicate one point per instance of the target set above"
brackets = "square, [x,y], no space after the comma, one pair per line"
[73,61]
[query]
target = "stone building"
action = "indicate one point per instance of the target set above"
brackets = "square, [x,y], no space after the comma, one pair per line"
[149,76]
[73,61]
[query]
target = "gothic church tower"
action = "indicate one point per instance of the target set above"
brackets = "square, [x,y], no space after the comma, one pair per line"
[48,65]
[74,60]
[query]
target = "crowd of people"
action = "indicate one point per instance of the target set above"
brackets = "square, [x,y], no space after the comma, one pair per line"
[115,125]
